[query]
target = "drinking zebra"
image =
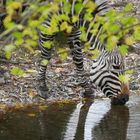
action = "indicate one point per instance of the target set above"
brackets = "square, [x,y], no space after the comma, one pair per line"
[106,67]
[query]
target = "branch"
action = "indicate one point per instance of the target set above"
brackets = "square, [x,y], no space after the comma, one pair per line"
[3,60]
[130,26]
[7,32]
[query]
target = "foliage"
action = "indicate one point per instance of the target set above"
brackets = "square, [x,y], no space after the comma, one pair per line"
[24,18]
[17,71]
[126,76]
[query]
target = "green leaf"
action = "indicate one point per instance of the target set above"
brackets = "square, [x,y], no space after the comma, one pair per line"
[87,46]
[137,33]
[74,19]
[78,7]
[44,62]
[48,44]
[129,40]
[129,72]
[102,37]
[64,17]
[124,78]
[20,27]
[8,50]
[62,53]
[90,5]
[28,31]
[123,49]
[9,25]
[65,27]
[54,7]
[17,35]
[33,23]
[17,71]
[128,7]
[114,28]
[31,42]
[29,48]
[111,42]
[129,20]
[95,53]
[83,36]
[111,13]
[88,16]
[19,42]
[67,7]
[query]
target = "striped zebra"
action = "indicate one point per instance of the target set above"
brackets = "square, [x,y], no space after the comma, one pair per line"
[105,69]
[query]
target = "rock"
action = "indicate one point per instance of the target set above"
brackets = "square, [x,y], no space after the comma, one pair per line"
[2,80]
[2,92]
[6,75]
[134,86]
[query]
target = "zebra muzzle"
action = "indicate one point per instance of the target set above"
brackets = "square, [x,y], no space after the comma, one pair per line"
[120,100]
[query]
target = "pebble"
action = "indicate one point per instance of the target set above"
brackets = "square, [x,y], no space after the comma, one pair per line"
[134,86]
[2,80]
[6,75]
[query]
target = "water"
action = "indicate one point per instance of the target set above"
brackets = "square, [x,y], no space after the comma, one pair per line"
[87,120]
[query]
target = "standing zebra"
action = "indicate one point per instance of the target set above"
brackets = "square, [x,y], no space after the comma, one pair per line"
[106,67]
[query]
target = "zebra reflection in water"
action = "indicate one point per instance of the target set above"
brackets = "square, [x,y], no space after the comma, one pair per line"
[98,121]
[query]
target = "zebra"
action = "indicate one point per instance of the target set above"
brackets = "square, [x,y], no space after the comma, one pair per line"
[105,68]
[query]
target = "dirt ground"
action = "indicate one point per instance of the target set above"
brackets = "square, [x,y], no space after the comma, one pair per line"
[60,79]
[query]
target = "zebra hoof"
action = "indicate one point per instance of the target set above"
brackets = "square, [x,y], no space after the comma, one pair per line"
[43,92]
[42,89]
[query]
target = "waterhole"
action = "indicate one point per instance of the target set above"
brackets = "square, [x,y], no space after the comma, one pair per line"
[88,120]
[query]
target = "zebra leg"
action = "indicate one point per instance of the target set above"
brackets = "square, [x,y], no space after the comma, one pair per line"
[42,87]
[45,55]
[77,55]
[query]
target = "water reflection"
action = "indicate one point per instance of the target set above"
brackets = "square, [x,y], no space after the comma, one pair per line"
[88,120]
[45,125]
[100,121]
[114,125]
[72,124]
[133,130]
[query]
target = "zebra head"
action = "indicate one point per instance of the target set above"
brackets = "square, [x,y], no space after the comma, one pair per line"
[105,73]
[118,65]
[123,96]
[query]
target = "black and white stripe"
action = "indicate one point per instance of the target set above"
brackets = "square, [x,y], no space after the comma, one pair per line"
[103,72]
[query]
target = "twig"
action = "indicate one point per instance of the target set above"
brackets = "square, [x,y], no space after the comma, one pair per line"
[130,26]
[13,62]
[7,32]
